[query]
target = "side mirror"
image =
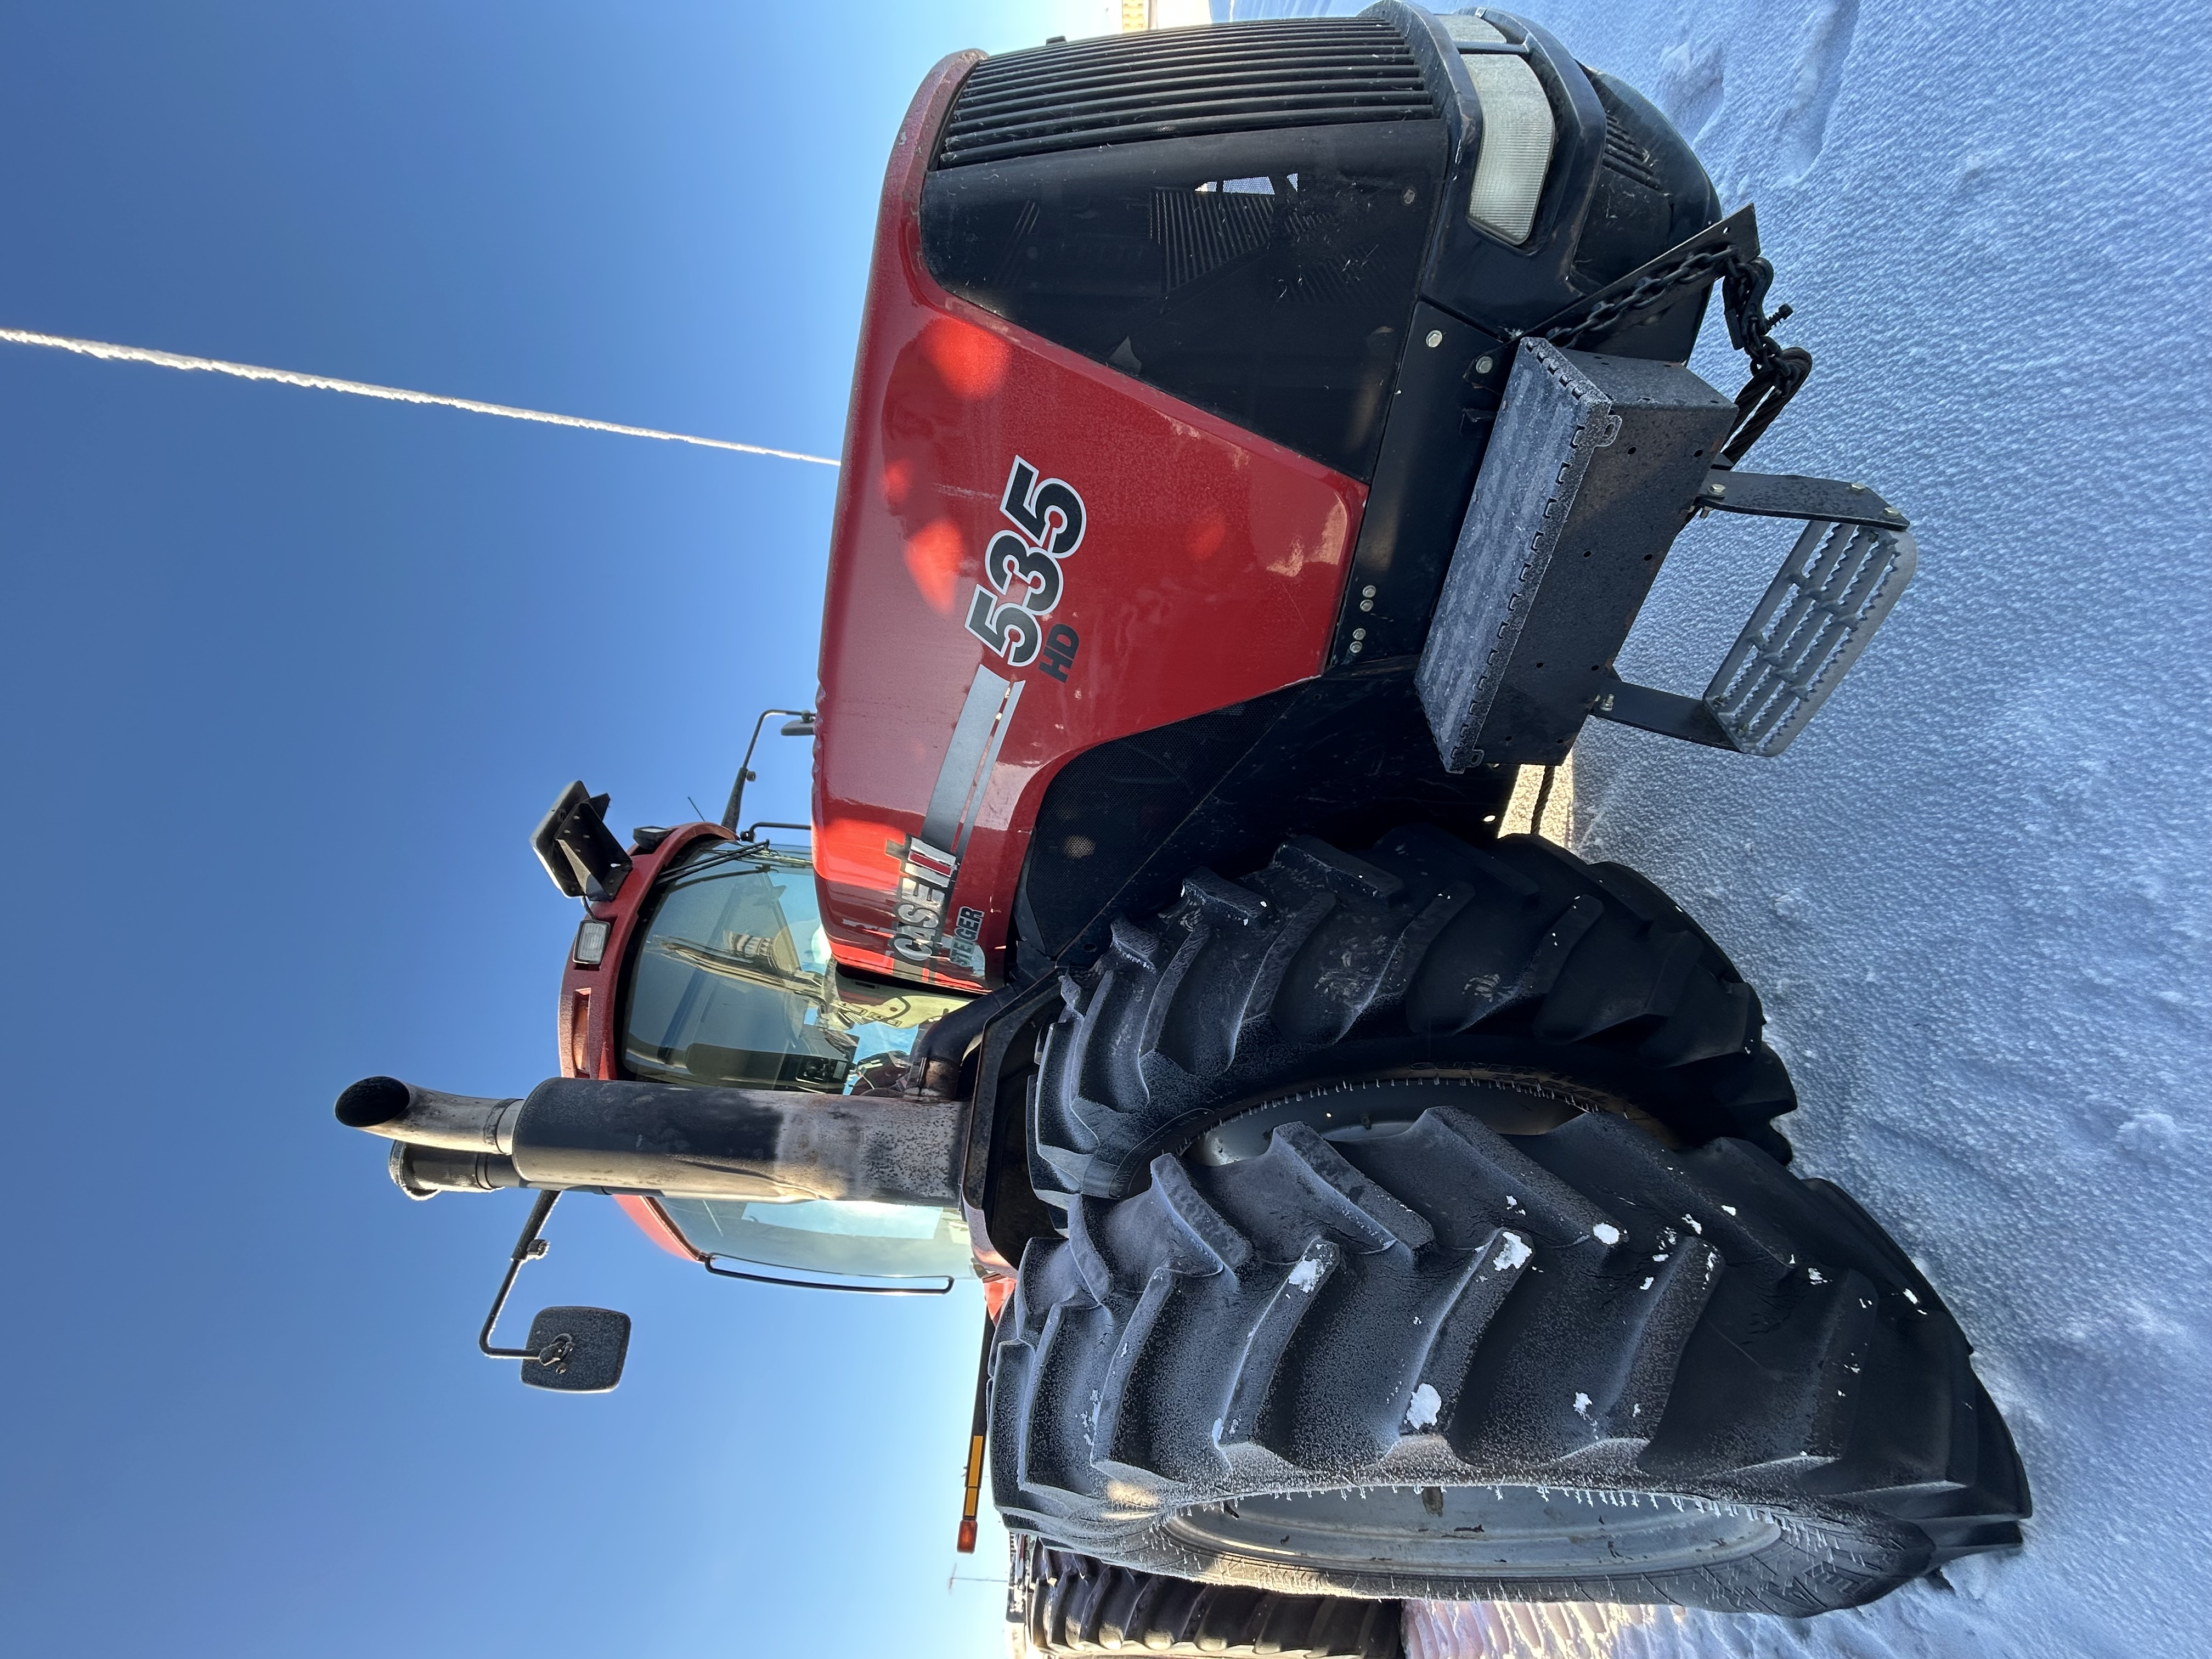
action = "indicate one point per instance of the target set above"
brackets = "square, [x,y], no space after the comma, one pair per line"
[570,1350]
[576,1350]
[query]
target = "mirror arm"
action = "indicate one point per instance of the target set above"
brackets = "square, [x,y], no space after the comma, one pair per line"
[746,766]
[528,1248]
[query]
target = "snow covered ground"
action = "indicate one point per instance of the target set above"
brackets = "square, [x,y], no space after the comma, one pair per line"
[1974,896]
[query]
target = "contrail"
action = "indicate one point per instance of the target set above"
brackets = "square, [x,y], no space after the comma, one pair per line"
[125,354]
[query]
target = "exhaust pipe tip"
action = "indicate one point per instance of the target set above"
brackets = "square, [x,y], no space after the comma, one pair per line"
[372,1102]
[425,1171]
[405,1178]
[400,1111]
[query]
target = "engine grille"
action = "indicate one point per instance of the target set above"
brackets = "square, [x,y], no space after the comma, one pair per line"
[1626,157]
[1232,77]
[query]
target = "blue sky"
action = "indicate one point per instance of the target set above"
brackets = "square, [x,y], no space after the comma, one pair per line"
[291,678]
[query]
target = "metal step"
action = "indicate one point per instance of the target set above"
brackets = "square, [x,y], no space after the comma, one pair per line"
[1596,464]
[1838,583]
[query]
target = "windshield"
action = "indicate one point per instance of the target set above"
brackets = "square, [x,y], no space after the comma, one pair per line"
[733,987]
[822,1235]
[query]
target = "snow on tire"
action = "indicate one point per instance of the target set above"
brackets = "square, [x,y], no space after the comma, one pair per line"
[1448,1364]
[1067,1603]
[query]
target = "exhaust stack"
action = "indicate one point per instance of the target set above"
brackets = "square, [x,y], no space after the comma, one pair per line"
[765,1145]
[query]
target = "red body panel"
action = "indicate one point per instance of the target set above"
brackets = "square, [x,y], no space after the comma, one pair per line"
[653,1223]
[1209,569]
[589,995]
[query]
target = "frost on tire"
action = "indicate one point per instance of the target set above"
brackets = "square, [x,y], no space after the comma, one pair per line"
[1066,1603]
[1568,987]
[1444,1363]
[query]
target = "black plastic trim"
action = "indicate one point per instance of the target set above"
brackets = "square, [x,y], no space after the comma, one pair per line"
[1440,412]
[1478,294]
[1003,1210]
[1344,756]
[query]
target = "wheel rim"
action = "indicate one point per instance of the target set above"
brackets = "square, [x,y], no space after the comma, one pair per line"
[1480,1532]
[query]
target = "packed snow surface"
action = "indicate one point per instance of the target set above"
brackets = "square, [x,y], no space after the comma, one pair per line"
[1974,896]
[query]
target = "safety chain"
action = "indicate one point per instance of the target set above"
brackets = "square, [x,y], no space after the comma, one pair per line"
[1777,372]
[1691,267]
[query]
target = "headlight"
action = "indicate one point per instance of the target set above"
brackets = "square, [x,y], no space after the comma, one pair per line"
[1517,133]
[591,944]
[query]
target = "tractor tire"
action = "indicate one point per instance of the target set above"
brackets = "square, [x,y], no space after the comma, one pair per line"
[1562,987]
[1440,1363]
[1067,1603]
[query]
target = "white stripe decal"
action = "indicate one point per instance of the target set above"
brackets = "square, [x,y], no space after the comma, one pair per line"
[964,758]
[990,764]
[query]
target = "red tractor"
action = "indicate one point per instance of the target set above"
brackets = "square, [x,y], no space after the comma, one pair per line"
[1263,439]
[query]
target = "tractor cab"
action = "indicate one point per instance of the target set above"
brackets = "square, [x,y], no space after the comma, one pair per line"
[701,961]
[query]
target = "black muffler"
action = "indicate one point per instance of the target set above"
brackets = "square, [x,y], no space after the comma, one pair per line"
[765,1145]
